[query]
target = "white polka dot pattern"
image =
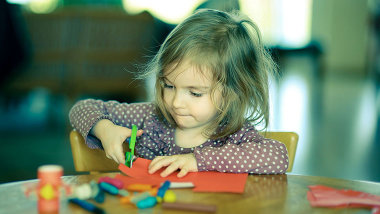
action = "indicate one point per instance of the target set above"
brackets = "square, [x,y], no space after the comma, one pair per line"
[242,152]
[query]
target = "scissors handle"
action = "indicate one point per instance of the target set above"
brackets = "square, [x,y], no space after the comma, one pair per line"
[130,155]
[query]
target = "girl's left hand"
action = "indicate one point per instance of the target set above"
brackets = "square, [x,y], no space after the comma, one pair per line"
[186,163]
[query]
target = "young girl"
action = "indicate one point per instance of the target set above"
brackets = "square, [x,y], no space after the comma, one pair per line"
[211,89]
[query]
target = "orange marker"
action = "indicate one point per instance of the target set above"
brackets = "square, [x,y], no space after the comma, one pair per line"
[125,199]
[139,187]
[153,191]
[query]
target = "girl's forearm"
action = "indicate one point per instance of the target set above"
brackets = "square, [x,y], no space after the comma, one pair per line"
[100,127]
[251,157]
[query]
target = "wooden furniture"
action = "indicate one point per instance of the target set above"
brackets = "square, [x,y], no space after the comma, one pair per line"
[89,160]
[263,194]
[290,139]
[94,160]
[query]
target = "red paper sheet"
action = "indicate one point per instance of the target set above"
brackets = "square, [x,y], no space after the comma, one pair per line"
[323,196]
[129,180]
[203,181]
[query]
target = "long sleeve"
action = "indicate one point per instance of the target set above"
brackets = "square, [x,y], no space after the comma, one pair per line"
[86,113]
[244,152]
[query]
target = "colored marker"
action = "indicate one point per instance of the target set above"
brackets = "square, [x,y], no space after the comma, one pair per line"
[96,193]
[147,202]
[180,185]
[109,188]
[87,206]
[139,197]
[161,191]
[139,187]
[190,207]
[170,196]
[115,182]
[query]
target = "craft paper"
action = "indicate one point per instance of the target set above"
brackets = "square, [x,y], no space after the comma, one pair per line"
[129,180]
[323,196]
[203,181]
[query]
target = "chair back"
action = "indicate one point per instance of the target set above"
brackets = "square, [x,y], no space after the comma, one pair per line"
[87,159]
[290,139]
[95,160]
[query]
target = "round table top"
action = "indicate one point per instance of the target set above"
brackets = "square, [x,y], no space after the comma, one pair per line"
[263,194]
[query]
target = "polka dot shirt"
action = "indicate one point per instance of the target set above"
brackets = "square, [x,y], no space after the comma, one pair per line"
[242,152]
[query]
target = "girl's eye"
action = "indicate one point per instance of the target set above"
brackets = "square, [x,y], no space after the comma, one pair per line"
[196,94]
[168,86]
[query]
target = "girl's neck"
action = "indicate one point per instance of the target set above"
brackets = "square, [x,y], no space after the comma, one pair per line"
[188,138]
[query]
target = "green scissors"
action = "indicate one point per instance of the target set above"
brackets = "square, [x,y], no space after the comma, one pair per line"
[129,156]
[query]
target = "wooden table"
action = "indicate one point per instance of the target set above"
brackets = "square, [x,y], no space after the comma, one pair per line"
[263,194]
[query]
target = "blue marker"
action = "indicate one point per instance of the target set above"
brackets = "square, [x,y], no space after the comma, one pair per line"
[111,189]
[100,196]
[147,202]
[96,193]
[87,206]
[161,191]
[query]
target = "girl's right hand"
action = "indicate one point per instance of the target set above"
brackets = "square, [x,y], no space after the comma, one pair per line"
[112,137]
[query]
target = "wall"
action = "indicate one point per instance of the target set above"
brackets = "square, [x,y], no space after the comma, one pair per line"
[341,26]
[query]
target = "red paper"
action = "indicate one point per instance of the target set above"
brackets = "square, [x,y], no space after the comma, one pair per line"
[129,180]
[323,196]
[203,181]
[376,210]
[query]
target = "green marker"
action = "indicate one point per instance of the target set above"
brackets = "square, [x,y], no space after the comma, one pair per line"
[129,155]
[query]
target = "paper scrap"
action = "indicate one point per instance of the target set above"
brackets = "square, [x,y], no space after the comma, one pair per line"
[203,181]
[323,196]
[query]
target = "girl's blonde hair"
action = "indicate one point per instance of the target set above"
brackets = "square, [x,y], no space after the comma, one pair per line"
[229,45]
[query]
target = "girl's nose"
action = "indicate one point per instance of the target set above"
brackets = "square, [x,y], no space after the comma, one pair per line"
[178,101]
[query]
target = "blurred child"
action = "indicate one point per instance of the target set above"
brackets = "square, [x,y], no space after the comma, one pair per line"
[211,90]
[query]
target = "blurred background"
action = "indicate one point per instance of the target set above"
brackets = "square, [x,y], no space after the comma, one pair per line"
[55,52]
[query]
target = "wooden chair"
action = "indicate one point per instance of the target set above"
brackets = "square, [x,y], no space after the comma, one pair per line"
[94,160]
[89,160]
[290,139]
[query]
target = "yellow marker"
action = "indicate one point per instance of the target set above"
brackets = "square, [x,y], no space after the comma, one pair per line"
[170,196]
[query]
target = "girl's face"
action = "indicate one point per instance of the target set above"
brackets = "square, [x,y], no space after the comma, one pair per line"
[187,97]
